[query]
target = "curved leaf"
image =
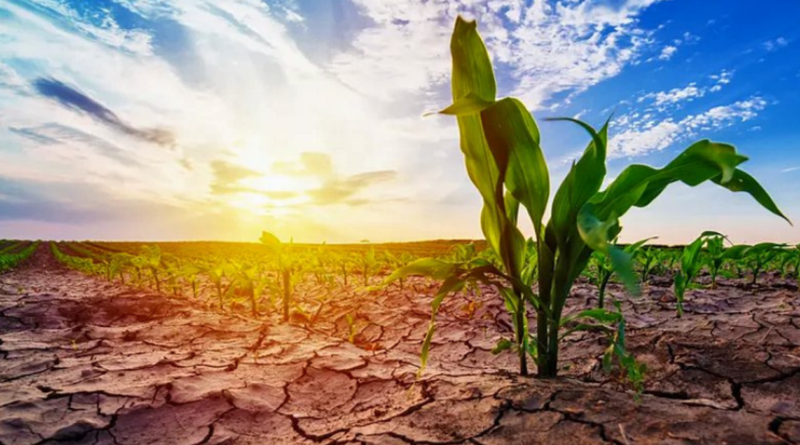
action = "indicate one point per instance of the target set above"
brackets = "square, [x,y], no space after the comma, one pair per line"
[513,139]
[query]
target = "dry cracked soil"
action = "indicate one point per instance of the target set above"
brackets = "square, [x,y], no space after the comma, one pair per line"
[90,362]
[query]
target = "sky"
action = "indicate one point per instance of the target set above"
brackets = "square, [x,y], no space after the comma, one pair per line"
[216,119]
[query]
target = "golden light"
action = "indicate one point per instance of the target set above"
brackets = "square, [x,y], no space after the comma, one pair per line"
[272,194]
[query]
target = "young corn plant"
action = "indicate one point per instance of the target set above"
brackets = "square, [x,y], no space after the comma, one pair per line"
[190,273]
[246,282]
[784,262]
[285,267]
[650,259]
[504,160]
[760,255]
[398,261]
[604,270]
[718,254]
[368,264]
[691,263]
[796,251]
[344,261]
[150,259]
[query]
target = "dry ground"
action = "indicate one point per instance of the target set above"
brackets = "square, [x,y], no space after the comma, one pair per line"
[85,361]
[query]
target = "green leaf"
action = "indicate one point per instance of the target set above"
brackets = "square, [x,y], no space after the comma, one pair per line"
[741,181]
[451,284]
[601,315]
[735,252]
[428,267]
[469,104]
[633,248]
[596,234]
[639,185]
[473,78]
[270,240]
[503,344]
[472,69]
[581,183]
[513,139]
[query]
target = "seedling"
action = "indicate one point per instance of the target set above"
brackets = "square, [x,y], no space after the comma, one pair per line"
[605,270]
[285,266]
[760,255]
[368,264]
[691,263]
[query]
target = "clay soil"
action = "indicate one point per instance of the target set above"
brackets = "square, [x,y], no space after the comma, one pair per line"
[91,362]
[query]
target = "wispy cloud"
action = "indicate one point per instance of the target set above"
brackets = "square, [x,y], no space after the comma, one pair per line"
[774,45]
[76,100]
[549,48]
[667,52]
[646,133]
[677,96]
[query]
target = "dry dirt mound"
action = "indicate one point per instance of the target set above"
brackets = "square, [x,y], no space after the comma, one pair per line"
[89,362]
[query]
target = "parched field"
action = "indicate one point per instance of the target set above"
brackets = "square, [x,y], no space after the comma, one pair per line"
[90,360]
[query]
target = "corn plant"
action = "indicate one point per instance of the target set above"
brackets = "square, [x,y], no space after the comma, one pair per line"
[285,267]
[691,263]
[352,327]
[190,273]
[760,255]
[796,251]
[368,263]
[215,273]
[604,270]
[116,264]
[344,261]
[785,259]
[246,282]
[718,254]
[651,258]
[398,261]
[150,260]
[501,147]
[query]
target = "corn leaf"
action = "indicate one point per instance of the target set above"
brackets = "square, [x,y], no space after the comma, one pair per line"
[513,138]
[581,183]
[743,182]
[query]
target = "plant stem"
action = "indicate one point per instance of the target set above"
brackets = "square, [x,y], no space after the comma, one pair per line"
[602,291]
[287,291]
[521,334]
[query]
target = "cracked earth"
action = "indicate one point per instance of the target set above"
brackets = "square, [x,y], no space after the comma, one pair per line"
[90,362]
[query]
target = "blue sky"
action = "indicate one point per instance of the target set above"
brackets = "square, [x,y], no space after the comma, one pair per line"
[201,119]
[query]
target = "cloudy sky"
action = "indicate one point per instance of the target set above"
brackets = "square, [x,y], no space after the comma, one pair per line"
[210,119]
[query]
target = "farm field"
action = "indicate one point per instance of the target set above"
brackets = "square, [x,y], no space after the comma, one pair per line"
[361,222]
[88,359]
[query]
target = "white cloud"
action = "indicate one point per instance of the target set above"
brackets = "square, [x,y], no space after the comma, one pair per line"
[675,95]
[550,48]
[106,30]
[774,45]
[721,79]
[645,134]
[667,52]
